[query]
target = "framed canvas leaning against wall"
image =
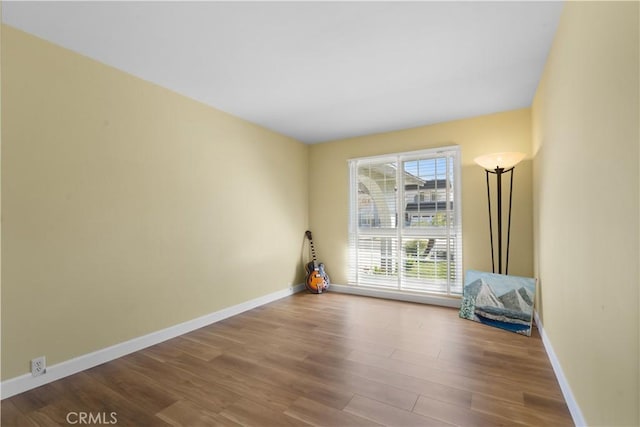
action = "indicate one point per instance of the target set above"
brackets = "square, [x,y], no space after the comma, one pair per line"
[499,300]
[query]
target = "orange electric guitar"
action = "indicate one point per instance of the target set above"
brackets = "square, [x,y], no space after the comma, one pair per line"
[317,277]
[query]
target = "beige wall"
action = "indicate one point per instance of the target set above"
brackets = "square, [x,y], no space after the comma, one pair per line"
[585,126]
[127,208]
[509,131]
[1,56]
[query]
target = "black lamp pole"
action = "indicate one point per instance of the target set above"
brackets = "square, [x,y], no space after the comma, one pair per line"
[498,171]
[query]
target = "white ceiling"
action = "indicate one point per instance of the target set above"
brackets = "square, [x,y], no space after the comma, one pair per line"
[316,71]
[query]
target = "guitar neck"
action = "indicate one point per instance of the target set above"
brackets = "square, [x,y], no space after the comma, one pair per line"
[313,250]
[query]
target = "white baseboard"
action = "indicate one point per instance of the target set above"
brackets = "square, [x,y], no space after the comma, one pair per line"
[26,382]
[576,413]
[395,295]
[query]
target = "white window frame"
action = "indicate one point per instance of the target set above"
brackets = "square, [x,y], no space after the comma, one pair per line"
[399,231]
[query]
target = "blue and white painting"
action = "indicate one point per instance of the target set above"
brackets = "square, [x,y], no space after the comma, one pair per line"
[499,300]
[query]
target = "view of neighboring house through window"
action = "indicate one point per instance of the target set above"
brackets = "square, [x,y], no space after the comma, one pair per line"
[405,223]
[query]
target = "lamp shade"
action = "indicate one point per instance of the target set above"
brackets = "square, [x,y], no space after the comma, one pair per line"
[504,160]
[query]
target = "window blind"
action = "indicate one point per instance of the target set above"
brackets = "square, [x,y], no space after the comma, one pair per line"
[405,229]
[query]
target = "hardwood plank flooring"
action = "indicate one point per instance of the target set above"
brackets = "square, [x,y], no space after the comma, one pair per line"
[325,360]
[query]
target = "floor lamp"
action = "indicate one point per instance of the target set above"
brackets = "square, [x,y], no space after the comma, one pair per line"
[499,164]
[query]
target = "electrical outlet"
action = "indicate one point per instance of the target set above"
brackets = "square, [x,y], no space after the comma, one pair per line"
[38,366]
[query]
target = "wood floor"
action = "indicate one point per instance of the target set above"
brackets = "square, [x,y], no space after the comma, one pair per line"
[330,360]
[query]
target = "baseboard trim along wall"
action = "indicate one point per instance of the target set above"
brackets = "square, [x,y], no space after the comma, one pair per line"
[395,295]
[55,372]
[576,413]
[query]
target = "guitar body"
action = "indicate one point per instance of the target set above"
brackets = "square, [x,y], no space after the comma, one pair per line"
[317,277]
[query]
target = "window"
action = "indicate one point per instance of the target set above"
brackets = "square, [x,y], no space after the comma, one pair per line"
[405,222]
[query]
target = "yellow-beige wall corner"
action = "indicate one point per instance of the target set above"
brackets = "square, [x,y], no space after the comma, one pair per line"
[585,120]
[128,208]
[0,181]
